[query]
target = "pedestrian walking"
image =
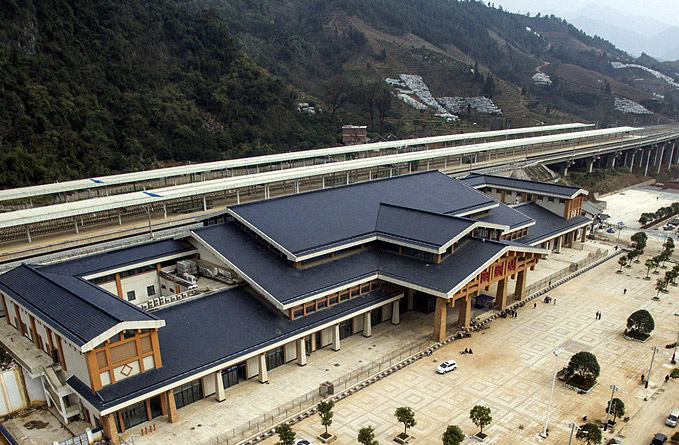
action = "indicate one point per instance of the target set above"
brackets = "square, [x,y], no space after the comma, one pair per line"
[550,284]
[624,291]
[535,305]
[667,378]
[642,378]
[616,248]
[554,301]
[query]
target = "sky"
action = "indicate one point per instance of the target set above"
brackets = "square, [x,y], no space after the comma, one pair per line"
[666,11]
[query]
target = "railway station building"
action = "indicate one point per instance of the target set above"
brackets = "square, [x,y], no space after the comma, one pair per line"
[120,338]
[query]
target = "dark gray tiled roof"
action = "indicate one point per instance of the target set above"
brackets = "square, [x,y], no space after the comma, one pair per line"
[71,306]
[288,285]
[301,223]
[503,214]
[561,191]
[547,224]
[432,229]
[236,324]
[119,258]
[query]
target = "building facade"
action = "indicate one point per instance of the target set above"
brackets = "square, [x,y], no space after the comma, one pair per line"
[117,338]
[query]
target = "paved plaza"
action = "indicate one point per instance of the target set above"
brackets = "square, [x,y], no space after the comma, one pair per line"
[250,400]
[512,365]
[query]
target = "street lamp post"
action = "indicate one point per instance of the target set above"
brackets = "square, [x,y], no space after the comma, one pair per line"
[674,354]
[648,379]
[610,406]
[556,352]
[573,428]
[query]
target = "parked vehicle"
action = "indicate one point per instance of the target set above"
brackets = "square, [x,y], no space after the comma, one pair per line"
[302,442]
[672,418]
[659,439]
[450,365]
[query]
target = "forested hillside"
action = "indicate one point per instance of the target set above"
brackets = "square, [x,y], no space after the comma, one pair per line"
[95,87]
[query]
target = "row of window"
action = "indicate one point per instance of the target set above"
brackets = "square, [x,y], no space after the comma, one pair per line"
[150,292]
[332,299]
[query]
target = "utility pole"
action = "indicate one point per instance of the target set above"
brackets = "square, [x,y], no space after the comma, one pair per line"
[148,213]
[556,352]
[610,406]
[655,349]
[674,354]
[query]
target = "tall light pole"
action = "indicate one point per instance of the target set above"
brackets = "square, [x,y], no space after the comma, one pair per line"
[573,428]
[674,354]
[556,352]
[655,349]
[610,406]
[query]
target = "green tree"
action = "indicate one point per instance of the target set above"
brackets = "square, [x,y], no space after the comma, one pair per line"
[639,239]
[480,415]
[622,261]
[584,366]
[640,322]
[285,434]
[618,408]
[590,434]
[649,263]
[660,285]
[366,436]
[406,416]
[453,435]
[326,414]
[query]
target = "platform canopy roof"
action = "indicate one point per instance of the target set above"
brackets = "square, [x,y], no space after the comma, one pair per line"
[478,180]
[126,178]
[87,206]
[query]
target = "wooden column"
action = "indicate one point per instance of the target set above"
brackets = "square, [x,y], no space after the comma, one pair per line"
[584,234]
[501,295]
[4,307]
[163,404]
[20,325]
[171,407]
[110,430]
[440,319]
[158,361]
[465,314]
[34,331]
[93,370]
[147,405]
[119,286]
[520,288]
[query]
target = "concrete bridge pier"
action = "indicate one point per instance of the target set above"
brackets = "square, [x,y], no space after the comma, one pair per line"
[566,166]
[589,163]
[660,152]
[670,157]
[610,160]
[648,159]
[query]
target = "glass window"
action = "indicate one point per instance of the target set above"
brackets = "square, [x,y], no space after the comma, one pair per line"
[343,296]
[550,199]
[189,393]
[321,304]
[134,415]
[365,289]
[115,339]
[332,300]
[354,292]
[275,358]
[298,313]
[129,333]
[150,290]
[131,296]
[311,308]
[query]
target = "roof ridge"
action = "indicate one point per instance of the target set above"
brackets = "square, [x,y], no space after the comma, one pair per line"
[431,212]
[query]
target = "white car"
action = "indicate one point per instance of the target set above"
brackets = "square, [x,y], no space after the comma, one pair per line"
[449,365]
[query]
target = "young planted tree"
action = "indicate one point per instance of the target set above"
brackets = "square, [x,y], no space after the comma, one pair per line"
[453,435]
[663,257]
[584,369]
[326,414]
[670,276]
[617,408]
[622,261]
[480,415]
[649,263]
[656,262]
[366,436]
[640,324]
[639,240]
[285,434]
[660,285]
[406,416]
[590,434]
